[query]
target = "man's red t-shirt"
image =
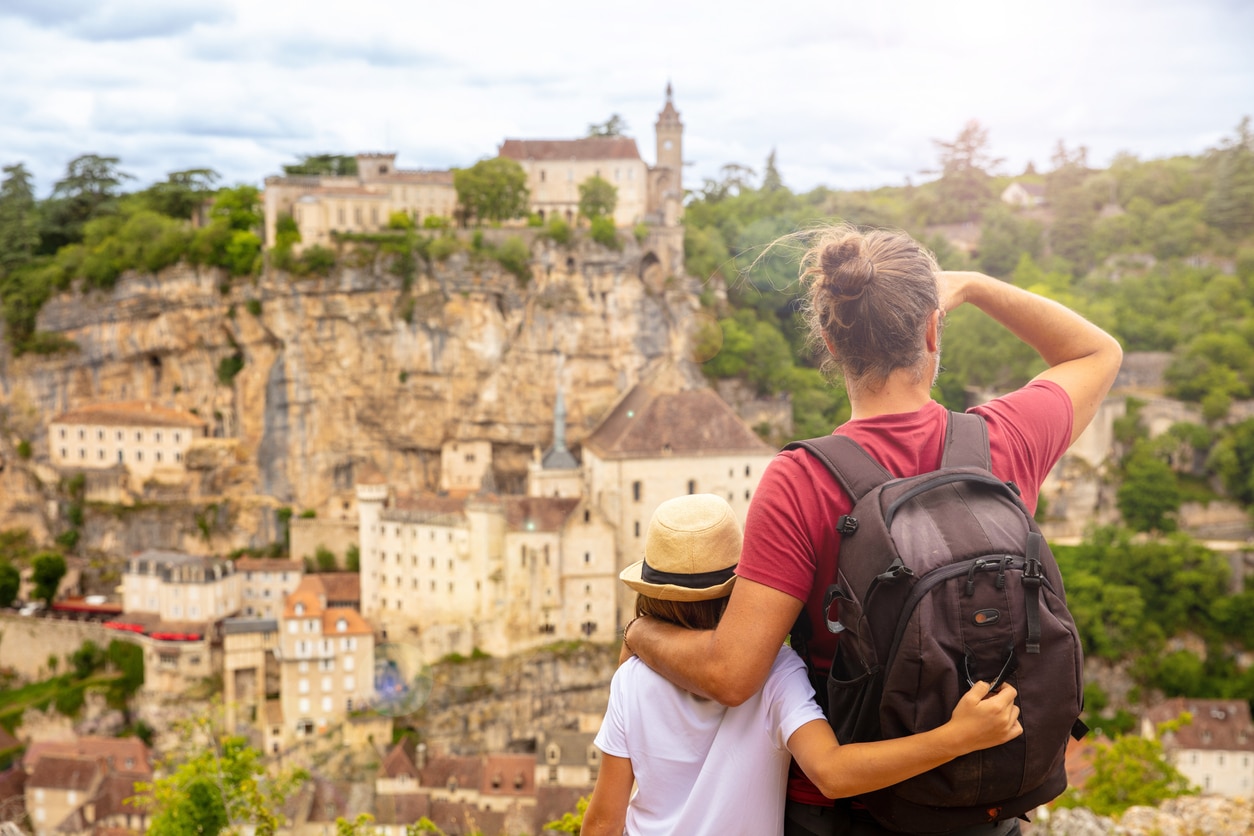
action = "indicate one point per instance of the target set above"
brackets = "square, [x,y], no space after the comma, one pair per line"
[791,542]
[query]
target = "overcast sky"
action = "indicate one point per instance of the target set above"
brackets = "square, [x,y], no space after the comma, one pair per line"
[850,95]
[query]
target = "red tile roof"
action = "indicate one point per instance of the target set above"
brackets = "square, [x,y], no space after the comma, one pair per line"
[585,149]
[62,773]
[123,754]
[1223,725]
[267,564]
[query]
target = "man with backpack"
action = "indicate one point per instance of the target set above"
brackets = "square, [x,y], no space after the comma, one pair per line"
[876,300]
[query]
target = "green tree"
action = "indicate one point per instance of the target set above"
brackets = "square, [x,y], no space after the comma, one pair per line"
[336,165]
[1130,771]
[1072,234]
[1149,496]
[1005,239]
[614,126]
[966,169]
[352,558]
[1230,203]
[47,570]
[182,193]
[570,822]
[19,218]
[88,659]
[325,560]
[1233,460]
[219,785]
[771,180]
[597,198]
[10,582]
[89,188]
[492,190]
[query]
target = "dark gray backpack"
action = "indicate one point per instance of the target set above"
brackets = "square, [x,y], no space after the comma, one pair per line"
[944,579]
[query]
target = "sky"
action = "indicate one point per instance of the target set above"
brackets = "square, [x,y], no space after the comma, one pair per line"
[847,95]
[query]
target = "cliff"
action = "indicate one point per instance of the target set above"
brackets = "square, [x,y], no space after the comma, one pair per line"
[338,374]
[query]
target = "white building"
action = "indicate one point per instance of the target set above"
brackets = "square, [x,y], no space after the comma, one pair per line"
[1215,749]
[150,441]
[655,445]
[266,583]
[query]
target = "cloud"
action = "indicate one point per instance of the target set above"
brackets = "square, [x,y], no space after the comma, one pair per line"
[116,20]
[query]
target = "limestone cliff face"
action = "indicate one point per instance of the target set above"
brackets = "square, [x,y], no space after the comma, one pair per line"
[347,371]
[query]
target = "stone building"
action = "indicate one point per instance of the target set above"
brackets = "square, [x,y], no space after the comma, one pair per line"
[173,603]
[326,663]
[656,444]
[557,167]
[1215,749]
[266,582]
[148,441]
[357,203]
[452,573]
[80,786]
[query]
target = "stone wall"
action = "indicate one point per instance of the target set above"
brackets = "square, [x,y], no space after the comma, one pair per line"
[26,642]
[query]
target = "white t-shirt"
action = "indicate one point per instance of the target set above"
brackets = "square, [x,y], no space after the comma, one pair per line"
[701,767]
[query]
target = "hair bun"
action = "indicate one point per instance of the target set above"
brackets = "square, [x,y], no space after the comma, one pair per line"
[846,268]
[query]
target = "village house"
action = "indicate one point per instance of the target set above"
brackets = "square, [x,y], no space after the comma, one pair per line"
[1024,195]
[1214,749]
[326,663]
[141,439]
[173,602]
[266,582]
[81,786]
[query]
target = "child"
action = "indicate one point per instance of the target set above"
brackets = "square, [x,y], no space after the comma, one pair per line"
[702,767]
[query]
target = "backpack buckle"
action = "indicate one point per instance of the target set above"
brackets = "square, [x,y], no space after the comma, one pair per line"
[847,524]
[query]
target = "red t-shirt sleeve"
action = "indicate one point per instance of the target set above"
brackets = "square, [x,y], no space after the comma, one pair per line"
[779,546]
[1028,431]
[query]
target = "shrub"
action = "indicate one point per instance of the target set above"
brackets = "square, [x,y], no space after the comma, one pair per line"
[443,247]
[605,233]
[253,306]
[515,256]
[230,366]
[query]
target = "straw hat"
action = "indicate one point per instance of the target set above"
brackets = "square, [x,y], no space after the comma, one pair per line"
[690,551]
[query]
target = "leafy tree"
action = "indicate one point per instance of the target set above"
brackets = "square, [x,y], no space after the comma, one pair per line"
[336,165]
[771,180]
[570,822]
[89,188]
[220,785]
[604,232]
[1233,460]
[1005,239]
[182,193]
[492,190]
[325,559]
[597,198]
[19,219]
[614,126]
[1130,771]
[1230,204]
[10,583]
[966,168]
[88,659]
[47,570]
[1149,496]
[1071,236]
[352,558]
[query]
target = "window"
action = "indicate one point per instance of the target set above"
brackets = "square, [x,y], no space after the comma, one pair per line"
[158,455]
[746,471]
[350,685]
[587,558]
[326,704]
[291,627]
[156,436]
[692,486]
[177,437]
[64,455]
[326,683]
[119,435]
[139,435]
[82,453]
[636,490]
[62,434]
[637,528]
[302,686]
[139,455]
[303,707]
[100,435]
[82,434]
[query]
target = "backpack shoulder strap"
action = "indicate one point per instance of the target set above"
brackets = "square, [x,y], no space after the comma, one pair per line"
[852,466]
[966,442]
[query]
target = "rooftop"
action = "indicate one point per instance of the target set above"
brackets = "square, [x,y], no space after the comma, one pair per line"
[586,149]
[649,423]
[129,414]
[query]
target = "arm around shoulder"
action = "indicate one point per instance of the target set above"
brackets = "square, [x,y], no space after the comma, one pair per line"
[727,664]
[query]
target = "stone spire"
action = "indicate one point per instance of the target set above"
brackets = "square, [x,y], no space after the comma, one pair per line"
[558,457]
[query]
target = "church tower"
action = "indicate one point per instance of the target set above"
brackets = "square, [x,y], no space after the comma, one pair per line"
[670,138]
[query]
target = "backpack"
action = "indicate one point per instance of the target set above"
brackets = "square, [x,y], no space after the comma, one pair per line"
[944,579]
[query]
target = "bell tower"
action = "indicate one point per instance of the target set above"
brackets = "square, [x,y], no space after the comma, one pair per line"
[670,137]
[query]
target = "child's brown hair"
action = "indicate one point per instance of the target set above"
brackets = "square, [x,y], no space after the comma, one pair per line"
[695,615]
